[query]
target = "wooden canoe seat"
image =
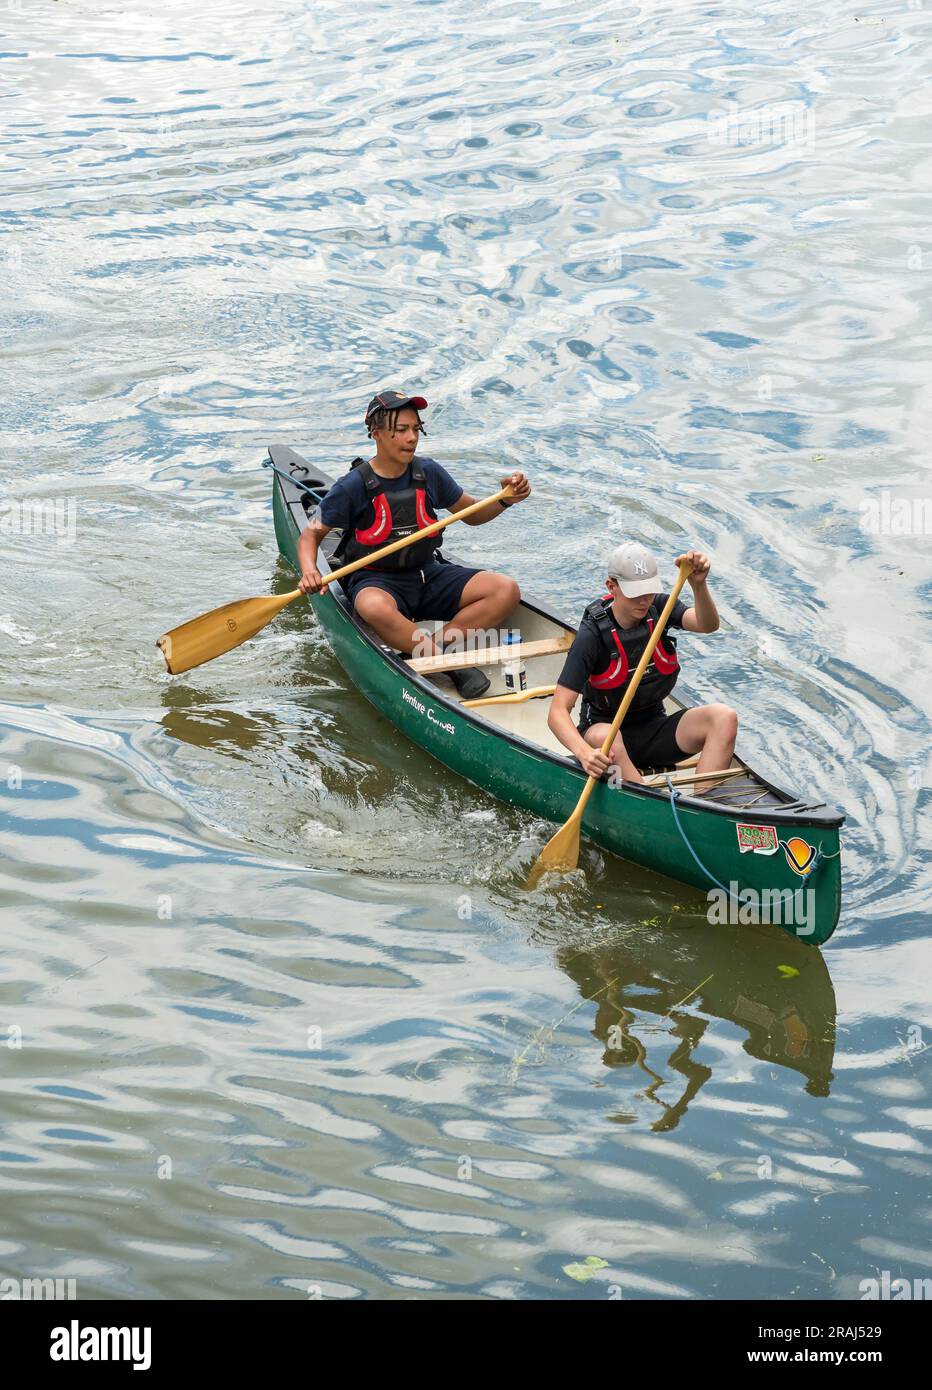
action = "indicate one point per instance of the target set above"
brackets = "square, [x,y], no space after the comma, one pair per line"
[491,656]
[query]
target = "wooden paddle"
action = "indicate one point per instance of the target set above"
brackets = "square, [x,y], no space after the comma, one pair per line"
[201,639]
[517,698]
[561,853]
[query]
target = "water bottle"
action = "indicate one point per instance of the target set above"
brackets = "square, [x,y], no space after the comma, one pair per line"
[514,671]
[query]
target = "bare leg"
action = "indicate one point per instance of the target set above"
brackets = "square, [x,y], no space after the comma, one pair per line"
[377,608]
[711,731]
[596,735]
[485,602]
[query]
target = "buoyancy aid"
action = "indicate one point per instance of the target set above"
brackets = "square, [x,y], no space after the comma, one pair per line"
[409,510]
[623,649]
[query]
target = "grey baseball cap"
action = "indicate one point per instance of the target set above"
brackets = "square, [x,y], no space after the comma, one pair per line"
[634,568]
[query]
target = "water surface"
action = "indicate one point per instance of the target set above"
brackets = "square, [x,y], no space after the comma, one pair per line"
[281,1019]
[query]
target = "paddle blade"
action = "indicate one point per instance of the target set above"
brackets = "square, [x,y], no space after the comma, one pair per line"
[219,631]
[560,854]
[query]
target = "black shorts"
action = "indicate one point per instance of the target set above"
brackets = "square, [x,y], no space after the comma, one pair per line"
[432,592]
[650,739]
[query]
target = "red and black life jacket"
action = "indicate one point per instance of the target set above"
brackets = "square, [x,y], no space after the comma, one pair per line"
[623,650]
[384,522]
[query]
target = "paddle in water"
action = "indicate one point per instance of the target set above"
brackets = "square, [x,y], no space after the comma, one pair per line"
[561,853]
[209,636]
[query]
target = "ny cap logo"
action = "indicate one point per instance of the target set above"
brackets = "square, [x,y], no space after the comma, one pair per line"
[640,567]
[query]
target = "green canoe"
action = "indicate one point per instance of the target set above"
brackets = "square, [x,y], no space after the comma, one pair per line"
[761,854]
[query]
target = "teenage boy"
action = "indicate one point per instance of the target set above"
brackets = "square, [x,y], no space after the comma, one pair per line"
[390,496]
[611,639]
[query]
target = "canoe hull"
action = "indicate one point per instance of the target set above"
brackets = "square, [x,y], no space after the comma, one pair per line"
[641,826]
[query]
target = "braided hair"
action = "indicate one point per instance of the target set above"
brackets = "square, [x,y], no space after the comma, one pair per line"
[378,418]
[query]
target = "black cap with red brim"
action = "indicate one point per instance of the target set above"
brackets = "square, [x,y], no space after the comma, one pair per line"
[394,400]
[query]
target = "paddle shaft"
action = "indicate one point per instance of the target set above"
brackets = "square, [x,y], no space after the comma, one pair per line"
[210,635]
[431,530]
[685,570]
[561,852]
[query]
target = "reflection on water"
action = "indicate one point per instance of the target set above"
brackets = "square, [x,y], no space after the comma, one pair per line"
[779,993]
[193,716]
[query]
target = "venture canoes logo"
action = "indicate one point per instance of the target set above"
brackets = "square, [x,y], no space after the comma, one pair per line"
[800,855]
[77,1343]
[427,710]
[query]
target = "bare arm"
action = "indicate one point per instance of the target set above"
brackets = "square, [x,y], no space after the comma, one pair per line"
[560,723]
[703,617]
[308,546]
[522,491]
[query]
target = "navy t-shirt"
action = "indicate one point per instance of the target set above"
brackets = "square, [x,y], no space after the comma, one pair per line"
[588,654]
[346,505]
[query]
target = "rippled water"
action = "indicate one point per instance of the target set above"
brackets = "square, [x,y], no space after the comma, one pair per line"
[279,1018]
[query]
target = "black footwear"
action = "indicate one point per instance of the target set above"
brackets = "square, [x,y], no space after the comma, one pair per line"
[470,683]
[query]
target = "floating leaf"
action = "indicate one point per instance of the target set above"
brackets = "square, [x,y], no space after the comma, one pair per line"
[584,1271]
[787,971]
[716,1176]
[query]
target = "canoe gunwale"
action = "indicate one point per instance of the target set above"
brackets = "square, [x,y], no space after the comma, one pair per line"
[818,816]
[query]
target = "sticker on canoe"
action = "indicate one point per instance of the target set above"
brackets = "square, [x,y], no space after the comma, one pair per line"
[757,839]
[799,855]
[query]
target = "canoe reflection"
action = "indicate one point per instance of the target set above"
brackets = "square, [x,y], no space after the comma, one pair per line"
[652,987]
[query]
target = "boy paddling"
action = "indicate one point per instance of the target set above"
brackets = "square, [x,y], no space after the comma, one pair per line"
[391,496]
[611,637]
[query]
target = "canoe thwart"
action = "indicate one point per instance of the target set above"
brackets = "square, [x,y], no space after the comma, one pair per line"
[490,656]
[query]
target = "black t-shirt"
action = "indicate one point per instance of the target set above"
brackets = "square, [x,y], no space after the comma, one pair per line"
[589,655]
[347,505]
